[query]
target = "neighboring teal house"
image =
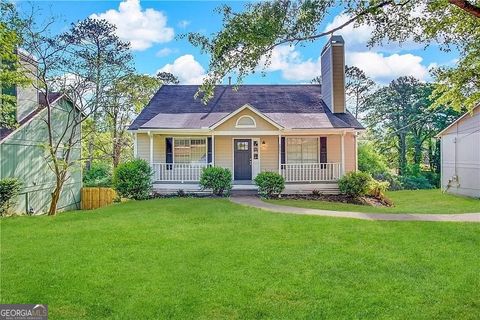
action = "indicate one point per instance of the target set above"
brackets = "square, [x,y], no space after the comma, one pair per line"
[23,155]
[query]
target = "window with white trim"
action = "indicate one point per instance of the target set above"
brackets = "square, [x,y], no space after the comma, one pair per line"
[190,150]
[246,122]
[302,150]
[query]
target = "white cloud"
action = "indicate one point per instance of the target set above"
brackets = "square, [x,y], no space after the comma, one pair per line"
[380,67]
[384,68]
[288,60]
[164,52]
[354,37]
[142,28]
[186,68]
[357,36]
[183,23]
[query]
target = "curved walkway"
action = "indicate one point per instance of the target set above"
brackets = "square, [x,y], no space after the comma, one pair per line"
[257,203]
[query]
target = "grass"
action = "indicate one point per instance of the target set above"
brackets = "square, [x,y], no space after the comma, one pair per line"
[406,201]
[209,258]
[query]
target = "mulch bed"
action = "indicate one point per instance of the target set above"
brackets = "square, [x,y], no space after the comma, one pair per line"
[365,200]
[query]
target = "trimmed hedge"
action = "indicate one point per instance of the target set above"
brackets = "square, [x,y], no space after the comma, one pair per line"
[133,179]
[355,184]
[99,175]
[218,179]
[269,184]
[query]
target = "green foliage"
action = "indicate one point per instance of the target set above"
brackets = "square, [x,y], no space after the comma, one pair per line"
[132,179]
[355,184]
[9,190]
[415,182]
[369,160]
[393,180]
[377,188]
[218,179]
[99,175]
[248,37]
[10,72]
[270,184]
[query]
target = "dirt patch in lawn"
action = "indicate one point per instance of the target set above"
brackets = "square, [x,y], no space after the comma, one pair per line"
[342,198]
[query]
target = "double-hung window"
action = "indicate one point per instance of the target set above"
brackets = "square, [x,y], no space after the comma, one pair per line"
[189,150]
[302,150]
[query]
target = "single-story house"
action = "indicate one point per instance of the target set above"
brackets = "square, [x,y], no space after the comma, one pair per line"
[22,149]
[303,132]
[460,155]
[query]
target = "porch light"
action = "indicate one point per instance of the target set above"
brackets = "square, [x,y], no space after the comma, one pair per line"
[263,142]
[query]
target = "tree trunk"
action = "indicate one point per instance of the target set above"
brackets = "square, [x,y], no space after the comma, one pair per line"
[417,156]
[402,154]
[55,197]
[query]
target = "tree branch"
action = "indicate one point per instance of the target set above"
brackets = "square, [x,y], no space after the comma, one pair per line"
[467,7]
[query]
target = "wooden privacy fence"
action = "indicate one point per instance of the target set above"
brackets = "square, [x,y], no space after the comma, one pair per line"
[93,198]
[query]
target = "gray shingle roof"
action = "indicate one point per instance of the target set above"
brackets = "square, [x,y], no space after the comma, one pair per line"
[291,106]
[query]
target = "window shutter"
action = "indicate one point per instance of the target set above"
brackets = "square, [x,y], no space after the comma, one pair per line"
[323,149]
[169,150]
[282,150]
[209,150]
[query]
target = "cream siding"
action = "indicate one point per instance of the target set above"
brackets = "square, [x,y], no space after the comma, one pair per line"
[268,152]
[229,125]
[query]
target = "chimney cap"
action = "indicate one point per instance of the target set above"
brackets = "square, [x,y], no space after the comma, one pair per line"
[334,40]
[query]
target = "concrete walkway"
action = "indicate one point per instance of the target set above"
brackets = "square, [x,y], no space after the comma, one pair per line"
[257,203]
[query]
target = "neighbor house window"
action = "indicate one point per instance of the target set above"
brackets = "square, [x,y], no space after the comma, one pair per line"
[190,150]
[246,122]
[302,150]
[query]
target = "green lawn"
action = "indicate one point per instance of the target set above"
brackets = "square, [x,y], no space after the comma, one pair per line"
[208,258]
[406,201]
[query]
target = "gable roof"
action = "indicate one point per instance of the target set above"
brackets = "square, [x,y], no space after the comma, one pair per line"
[456,121]
[53,97]
[249,107]
[288,106]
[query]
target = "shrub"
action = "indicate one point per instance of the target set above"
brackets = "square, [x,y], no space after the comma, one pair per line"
[369,160]
[415,182]
[218,179]
[132,179]
[269,184]
[393,181]
[355,184]
[9,190]
[377,188]
[432,177]
[99,175]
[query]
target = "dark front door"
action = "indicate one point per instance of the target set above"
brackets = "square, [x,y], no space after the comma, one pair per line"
[242,159]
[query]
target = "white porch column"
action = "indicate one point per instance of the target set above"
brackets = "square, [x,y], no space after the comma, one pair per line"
[213,150]
[342,153]
[135,142]
[150,134]
[280,154]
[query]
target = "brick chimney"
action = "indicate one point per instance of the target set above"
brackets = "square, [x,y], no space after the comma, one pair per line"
[333,74]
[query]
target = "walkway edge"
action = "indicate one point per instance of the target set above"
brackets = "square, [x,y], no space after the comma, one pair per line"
[259,204]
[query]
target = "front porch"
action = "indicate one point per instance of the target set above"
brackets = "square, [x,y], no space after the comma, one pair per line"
[292,172]
[307,162]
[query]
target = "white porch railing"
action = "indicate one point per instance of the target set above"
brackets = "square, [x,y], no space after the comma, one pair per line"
[179,172]
[310,172]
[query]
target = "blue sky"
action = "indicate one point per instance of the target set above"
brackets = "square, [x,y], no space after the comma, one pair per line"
[153,28]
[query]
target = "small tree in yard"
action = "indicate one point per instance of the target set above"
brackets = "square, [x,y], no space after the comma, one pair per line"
[79,65]
[133,179]
[270,184]
[218,179]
